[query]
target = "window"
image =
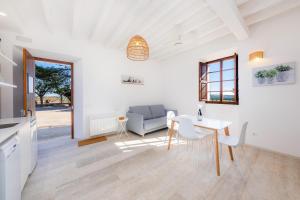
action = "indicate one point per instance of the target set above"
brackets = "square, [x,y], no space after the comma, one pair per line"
[218,81]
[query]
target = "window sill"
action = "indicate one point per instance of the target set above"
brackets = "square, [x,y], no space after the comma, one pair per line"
[226,103]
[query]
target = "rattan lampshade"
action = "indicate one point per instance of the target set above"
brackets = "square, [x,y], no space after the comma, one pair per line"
[137,49]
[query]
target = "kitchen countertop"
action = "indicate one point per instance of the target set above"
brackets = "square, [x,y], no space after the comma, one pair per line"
[6,133]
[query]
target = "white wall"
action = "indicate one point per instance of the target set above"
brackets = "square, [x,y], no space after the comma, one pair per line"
[6,93]
[273,112]
[97,77]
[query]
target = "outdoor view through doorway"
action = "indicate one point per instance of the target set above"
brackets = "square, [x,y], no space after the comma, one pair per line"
[53,99]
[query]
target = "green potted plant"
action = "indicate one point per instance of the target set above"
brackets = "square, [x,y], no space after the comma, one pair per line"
[283,72]
[270,75]
[261,76]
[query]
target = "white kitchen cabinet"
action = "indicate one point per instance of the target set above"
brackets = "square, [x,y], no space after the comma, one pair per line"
[25,152]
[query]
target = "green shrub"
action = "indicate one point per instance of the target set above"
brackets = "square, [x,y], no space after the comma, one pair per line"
[283,68]
[261,74]
[271,73]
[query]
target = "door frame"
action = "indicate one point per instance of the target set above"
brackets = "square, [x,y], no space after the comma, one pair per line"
[72,85]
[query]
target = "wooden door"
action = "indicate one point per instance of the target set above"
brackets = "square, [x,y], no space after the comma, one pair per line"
[28,83]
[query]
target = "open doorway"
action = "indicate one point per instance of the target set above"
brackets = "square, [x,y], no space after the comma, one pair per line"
[54,98]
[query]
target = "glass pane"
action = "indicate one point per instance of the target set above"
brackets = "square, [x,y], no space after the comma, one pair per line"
[214,77]
[212,67]
[228,75]
[228,86]
[214,96]
[215,86]
[228,64]
[228,96]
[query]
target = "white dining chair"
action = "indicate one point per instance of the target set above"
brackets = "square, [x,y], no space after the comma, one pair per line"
[187,130]
[234,141]
[170,116]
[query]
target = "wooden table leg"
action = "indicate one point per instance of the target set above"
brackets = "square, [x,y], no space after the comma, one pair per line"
[229,147]
[217,153]
[171,132]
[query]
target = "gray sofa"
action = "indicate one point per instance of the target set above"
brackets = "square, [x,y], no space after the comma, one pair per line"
[146,119]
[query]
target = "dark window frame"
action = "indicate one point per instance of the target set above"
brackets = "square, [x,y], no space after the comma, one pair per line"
[203,75]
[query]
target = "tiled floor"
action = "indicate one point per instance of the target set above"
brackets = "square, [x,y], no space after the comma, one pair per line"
[136,168]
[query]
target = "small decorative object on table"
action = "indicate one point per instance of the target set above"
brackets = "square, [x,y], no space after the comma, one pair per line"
[122,124]
[199,115]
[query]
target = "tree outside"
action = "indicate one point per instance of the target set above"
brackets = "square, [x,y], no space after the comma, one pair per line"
[53,83]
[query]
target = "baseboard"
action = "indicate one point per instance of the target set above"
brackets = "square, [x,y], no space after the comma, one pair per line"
[91,140]
[272,151]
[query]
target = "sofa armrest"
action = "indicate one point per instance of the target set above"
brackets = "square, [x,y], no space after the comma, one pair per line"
[135,122]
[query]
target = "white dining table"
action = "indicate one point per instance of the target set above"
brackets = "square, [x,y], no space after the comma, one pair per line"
[210,124]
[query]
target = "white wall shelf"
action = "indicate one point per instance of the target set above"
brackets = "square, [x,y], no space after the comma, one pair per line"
[7,84]
[8,59]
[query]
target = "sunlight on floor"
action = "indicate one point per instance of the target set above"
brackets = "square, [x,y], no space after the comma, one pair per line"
[129,145]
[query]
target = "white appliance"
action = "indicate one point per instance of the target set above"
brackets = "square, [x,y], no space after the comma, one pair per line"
[34,144]
[10,188]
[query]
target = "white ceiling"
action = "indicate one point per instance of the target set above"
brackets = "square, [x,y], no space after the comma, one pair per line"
[161,22]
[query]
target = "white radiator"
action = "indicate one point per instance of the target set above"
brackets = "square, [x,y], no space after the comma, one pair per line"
[102,124]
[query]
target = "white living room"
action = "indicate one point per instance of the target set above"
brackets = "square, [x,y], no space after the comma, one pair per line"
[179,100]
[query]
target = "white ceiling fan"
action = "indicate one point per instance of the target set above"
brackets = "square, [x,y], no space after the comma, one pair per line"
[178,41]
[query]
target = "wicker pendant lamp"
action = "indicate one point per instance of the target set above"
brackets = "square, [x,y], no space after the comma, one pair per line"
[137,49]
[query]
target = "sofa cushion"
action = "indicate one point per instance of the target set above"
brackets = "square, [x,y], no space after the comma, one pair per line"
[155,123]
[157,111]
[142,110]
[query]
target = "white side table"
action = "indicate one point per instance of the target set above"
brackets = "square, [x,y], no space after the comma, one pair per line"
[122,125]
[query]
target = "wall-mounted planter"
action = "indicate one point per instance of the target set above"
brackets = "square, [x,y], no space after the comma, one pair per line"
[274,75]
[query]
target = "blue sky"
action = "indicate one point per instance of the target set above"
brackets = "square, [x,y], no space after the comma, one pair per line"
[49,64]
[228,86]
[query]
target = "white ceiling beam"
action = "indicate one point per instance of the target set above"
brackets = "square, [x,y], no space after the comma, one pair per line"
[229,13]
[191,41]
[241,2]
[272,11]
[137,22]
[194,24]
[127,20]
[209,38]
[120,12]
[166,18]
[254,6]
[177,16]
[82,24]
[201,31]
[102,19]
[38,17]
[13,14]
[152,16]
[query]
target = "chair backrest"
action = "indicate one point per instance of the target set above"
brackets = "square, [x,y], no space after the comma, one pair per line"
[170,115]
[186,128]
[242,138]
